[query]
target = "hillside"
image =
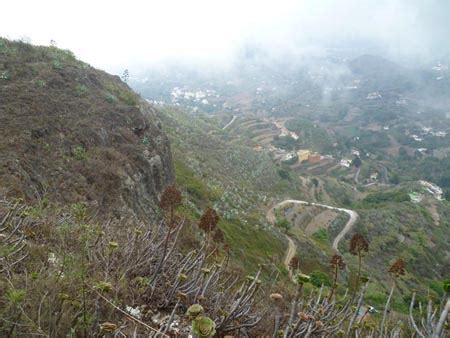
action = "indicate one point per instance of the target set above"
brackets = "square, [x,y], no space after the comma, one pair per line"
[120,219]
[370,113]
[70,133]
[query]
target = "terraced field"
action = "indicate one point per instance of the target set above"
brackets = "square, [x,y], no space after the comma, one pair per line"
[257,131]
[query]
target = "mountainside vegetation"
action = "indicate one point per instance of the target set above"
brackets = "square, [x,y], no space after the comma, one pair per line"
[70,133]
[123,218]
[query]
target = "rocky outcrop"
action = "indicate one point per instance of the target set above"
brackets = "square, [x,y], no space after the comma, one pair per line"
[71,133]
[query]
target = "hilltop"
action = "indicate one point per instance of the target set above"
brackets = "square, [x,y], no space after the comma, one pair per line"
[71,133]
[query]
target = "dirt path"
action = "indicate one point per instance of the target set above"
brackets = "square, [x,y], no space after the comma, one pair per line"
[357,175]
[290,253]
[292,247]
[270,215]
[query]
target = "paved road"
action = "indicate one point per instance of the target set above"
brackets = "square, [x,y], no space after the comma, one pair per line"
[229,123]
[352,220]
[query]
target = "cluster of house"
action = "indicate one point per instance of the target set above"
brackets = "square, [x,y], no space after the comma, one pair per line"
[156,102]
[373,96]
[302,155]
[201,96]
[429,187]
[428,131]
[416,138]
[345,162]
[422,150]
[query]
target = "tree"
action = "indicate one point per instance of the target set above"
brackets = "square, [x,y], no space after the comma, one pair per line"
[395,179]
[284,224]
[403,154]
[357,162]
[284,174]
[319,278]
[125,75]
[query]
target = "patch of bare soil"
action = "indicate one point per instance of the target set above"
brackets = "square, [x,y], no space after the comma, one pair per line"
[434,214]
[322,220]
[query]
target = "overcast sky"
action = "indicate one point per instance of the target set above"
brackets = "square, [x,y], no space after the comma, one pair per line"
[114,35]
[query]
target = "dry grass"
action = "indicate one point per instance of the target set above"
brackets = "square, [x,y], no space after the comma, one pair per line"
[76,133]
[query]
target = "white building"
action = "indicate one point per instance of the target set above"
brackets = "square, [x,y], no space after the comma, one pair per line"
[355,152]
[345,163]
[433,189]
[373,96]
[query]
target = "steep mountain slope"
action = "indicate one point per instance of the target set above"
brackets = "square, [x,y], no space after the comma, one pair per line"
[72,133]
[366,105]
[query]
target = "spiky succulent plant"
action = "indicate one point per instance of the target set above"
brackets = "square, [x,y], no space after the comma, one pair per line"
[203,327]
[194,311]
[301,278]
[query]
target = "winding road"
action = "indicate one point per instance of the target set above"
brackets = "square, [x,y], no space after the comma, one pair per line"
[270,215]
[229,123]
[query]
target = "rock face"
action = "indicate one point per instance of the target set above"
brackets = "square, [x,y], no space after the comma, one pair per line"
[71,133]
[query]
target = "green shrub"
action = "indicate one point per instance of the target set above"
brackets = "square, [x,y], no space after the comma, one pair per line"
[4,75]
[321,235]
[436,286]
[15,296]
[56,64]
[284,174]
[79,153]
[110,98]
[283,223]
[81,90]
[40,83]
[319,278]
[389,196]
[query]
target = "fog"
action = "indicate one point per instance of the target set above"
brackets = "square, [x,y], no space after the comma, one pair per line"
[115,35]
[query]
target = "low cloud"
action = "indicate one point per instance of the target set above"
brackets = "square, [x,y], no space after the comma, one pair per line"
[116,34]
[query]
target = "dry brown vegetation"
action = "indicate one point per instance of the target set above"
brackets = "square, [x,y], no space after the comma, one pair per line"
[63,272]
[75,133]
